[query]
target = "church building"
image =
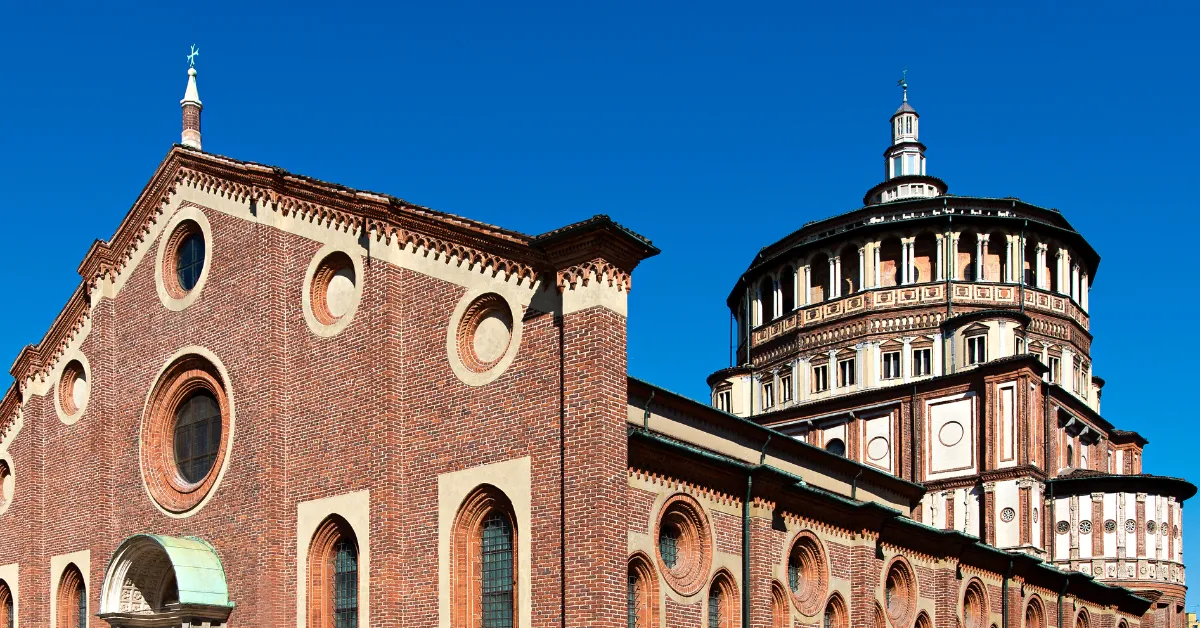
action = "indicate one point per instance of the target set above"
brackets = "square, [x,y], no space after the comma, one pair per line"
[278,401]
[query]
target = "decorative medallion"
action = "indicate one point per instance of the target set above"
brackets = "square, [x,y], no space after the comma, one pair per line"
[1062,527]
[878,448]
[1150,527]
[1085,527]
[1008,514]
[1130,526]
[950,433]
[1110,526]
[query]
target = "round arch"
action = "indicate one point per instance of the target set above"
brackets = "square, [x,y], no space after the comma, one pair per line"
[157,577]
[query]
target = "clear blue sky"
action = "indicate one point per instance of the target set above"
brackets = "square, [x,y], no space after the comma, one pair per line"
[712,128]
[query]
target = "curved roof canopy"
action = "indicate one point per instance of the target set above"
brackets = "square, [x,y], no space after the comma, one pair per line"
[138,582]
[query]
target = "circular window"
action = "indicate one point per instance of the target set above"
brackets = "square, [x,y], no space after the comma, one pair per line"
[1085,527]
[185,259]
[1150,527]
[334,288]
[73,389]
[808,577]
[1130,526]
[836,446]
[1035,515]
[1062,527]
[6,485]
[684,547]
[484,333]
[1110,526]
[185,433]
[900,589]
[1008,514]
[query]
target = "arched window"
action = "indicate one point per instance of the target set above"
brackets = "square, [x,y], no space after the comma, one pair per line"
[818,269]
[1070,455]
[766,299]
[787,289]
[780,618]
[1082,620]
[7,619]
[722,603]
[890,270]
[484,562]
[72,599]
[900,592]
[1034,614]
[851,282]
[974,606]
[333,576]
[643,594]
[924,260]
[835,613]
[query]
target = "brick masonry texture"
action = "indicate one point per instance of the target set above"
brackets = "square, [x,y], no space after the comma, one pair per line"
[375,407]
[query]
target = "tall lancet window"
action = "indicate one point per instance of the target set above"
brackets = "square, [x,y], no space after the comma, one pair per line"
[484,562]
[333,576]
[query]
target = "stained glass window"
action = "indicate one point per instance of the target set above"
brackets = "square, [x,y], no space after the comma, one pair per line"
[497,562]
[345,584]
[189,261]
[197,436]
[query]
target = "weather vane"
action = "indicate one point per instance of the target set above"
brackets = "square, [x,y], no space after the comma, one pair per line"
[192,56]
[903,82]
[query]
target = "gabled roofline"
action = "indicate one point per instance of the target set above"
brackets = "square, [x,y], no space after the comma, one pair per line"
[382,216]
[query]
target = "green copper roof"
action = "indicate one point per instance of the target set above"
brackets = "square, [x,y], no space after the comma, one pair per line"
[198,571]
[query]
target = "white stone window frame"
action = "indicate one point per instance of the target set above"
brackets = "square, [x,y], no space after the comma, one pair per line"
[355,509]
[786,388]
[514,479]
[58,564]
[196,215]
[928,363]
[891,371]
[516,307]
[847,372]
[8,489]
[976,349]
[820,378]
[74,355]
[314,324]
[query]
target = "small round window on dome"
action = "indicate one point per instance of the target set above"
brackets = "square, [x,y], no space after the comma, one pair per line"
[836,446]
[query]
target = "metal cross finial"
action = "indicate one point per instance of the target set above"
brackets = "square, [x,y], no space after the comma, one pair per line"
[191,57]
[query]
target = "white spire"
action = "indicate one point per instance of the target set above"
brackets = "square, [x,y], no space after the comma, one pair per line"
[191,94]
[191,105]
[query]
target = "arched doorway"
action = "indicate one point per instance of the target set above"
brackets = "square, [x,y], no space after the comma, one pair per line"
[162,580]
